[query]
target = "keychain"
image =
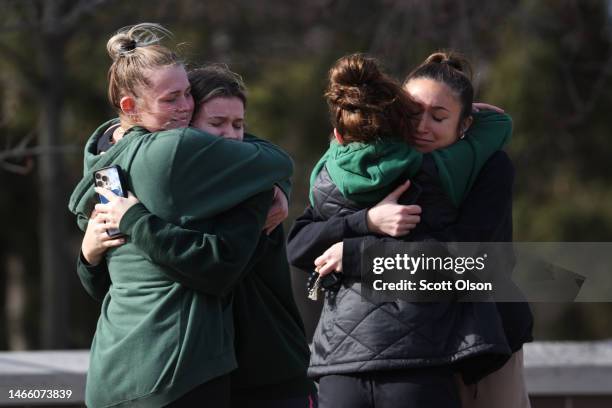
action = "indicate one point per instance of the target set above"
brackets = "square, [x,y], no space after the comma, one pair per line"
[313,293]
[330,284]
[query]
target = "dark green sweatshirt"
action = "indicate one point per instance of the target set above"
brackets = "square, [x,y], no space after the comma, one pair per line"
[366,172]
[270,342]
[157,339]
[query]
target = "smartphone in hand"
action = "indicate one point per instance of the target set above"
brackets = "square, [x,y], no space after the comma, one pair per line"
[111,178]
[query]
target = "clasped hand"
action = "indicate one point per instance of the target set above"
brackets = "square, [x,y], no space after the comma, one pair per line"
[385,218]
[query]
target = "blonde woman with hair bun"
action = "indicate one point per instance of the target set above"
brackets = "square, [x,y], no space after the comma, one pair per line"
[159,342]
[262,300]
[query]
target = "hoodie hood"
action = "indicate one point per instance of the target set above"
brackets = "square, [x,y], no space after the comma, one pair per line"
[83,197]
[366,172]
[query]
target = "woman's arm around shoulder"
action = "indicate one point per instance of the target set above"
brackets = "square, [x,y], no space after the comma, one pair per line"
[208,256]
[284,185]
[485,215]
[460,163]
[229,170]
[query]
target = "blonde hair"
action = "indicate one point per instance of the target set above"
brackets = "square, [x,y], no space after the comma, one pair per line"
[134,50]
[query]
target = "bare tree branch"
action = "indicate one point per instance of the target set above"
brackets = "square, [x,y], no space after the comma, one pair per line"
[37,151]
[22,143]
[22,152]
[20,169]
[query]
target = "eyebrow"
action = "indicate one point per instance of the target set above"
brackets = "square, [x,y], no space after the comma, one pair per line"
[440,107]
[178,91]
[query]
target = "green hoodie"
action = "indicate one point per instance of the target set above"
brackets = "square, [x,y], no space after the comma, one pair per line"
[366,172]
[156,339]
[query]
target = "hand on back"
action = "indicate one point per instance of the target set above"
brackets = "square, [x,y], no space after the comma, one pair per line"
[279,210]
[393,219]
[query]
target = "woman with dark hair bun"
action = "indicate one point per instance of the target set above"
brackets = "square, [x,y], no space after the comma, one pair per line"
[366,104]
[449,72]
[371,355]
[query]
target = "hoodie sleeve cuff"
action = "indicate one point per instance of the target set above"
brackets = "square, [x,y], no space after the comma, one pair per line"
[93,269]
[285,187]
[131,216]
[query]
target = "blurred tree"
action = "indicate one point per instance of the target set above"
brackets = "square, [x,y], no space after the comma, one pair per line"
[553,74]
[546,62]
[39,35]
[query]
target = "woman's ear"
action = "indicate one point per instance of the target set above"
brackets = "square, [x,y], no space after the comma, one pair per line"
[128,105]
[467,122]
[338,136]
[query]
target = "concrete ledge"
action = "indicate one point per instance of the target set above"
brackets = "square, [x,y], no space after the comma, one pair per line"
[569,368]
[552,369]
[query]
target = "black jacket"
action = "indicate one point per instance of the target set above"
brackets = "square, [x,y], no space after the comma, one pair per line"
[357,336]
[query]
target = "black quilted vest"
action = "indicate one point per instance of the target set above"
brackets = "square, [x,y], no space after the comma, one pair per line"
[355,336]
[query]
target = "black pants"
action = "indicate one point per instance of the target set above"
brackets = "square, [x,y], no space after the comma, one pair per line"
[418,388]
[212,394]
[309,401]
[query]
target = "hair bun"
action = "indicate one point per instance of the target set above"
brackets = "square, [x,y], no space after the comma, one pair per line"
[353,83]
[366,103]
[436,58]
[127,39]
[119,45]
[356,70]
[129,45]
[452,59]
